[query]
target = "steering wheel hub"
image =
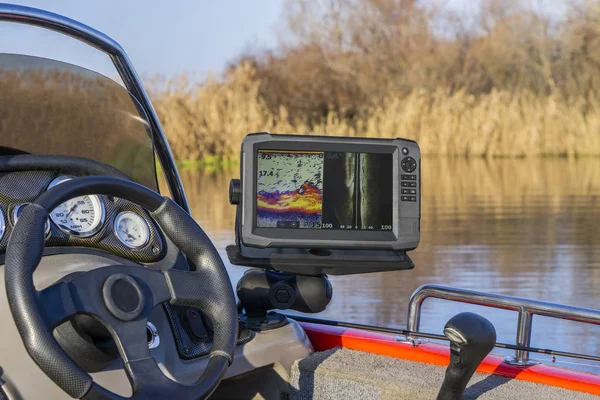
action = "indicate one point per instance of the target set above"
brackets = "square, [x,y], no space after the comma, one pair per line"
[123,297]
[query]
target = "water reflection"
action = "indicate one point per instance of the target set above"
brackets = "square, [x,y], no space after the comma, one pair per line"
[528,228]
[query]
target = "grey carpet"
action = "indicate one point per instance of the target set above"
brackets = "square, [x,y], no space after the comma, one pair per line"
[348,375]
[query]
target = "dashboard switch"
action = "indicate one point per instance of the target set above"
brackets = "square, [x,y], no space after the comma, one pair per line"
[195,325]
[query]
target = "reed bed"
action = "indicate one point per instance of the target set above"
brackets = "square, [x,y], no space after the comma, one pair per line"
[207,122]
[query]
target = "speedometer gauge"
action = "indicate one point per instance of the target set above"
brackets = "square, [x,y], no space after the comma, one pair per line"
[131,229]
[80,216]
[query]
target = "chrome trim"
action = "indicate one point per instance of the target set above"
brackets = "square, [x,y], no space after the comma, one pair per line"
[92,37]
[454,335]
[93,197]
[154,341]
[15,216]
[526,308]
[244,189]
[2,224]
[120,216]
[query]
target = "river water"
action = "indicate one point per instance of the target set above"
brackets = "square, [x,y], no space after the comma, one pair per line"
[519,227]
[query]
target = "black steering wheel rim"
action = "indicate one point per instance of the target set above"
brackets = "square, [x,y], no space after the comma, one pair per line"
[208,289]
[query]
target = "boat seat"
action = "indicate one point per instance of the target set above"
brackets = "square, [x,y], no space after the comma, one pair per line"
[349,374]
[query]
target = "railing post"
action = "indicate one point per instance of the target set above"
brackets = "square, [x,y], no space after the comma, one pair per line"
[414,314]
[523,334]
[524,326]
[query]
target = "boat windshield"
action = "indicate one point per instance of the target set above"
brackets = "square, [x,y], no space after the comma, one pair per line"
[55,108]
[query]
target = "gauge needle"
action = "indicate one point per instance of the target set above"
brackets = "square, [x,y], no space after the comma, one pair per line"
[128,234]
[71,210]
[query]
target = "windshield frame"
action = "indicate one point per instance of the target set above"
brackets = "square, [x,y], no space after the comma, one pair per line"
[133,84]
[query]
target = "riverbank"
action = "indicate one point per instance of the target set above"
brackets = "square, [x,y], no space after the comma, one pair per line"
[205,124]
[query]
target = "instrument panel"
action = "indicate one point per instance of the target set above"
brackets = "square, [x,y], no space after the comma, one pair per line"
[94,221]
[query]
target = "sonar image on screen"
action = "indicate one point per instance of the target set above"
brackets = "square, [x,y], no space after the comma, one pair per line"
[289,189]
[324,190]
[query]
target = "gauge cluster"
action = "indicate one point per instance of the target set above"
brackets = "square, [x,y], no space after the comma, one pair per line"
[102,222]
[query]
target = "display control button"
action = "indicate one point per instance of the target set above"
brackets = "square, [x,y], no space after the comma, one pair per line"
[409,191]
[405,151]
[409,177]
[413,198]
[408,184]
[404,198]
[408,164]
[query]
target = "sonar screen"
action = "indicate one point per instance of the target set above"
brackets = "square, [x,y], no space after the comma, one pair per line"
[324,190]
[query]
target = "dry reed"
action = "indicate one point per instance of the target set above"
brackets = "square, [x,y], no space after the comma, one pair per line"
[208,121]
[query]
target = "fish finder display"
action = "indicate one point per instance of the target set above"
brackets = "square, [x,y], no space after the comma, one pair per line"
[324,190]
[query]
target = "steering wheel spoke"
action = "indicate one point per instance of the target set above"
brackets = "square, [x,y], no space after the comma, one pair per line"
[57,304]
[131,339]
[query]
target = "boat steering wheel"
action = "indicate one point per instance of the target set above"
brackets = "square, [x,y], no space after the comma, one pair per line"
[120,296]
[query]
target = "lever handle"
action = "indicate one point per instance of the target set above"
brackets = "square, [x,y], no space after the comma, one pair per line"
[471,337]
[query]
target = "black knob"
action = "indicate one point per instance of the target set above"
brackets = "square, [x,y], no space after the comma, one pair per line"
[472,337]
[259,290]
[235,191]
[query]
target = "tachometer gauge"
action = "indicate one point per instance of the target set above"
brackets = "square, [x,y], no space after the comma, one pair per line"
[2,224]
[81,216]
[131,229]
[17,211]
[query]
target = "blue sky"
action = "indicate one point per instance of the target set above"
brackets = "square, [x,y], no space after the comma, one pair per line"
[198,36]
[160,37]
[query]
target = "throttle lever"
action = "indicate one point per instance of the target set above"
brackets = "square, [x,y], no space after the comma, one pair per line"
[471,337]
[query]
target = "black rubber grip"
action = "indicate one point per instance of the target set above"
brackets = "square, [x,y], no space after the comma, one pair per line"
[25,248]
[212,293]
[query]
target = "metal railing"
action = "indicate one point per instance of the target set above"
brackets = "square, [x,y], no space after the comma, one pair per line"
[526,309]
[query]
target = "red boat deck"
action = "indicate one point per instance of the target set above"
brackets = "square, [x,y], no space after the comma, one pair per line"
[324,337]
